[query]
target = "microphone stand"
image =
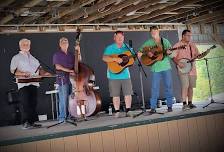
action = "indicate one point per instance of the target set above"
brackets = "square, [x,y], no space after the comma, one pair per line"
[141,69]
[210,86]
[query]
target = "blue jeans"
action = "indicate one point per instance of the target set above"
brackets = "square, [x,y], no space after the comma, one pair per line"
[155,88]
[64,92]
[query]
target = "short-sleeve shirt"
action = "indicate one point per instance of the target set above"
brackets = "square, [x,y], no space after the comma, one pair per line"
[65,60]
[25,62]
[186,53]
[114,49]
[164,64]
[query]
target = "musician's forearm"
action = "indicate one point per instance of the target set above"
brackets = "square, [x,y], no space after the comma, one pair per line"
[61,68]
[42,72]
[19,73]
[108,59]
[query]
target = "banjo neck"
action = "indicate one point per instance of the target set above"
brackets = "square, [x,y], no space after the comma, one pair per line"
[203,54]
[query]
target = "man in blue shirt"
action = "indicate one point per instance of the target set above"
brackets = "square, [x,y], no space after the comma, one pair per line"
[118,81]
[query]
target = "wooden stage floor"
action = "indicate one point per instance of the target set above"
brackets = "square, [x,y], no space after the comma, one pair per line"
[15,134]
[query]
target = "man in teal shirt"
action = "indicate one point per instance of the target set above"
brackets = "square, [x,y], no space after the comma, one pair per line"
[118,81]
[160,69]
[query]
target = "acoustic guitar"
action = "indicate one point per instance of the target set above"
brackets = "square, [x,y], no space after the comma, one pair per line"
[128,60]
[158,54]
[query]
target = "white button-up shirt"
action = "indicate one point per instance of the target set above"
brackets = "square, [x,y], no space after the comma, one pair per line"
[25,62]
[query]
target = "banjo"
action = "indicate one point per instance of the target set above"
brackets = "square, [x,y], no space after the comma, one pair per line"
[188,63]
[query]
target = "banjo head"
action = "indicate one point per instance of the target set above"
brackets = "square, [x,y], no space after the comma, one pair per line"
[187,68]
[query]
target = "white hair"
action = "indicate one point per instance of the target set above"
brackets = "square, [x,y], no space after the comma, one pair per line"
[24,40]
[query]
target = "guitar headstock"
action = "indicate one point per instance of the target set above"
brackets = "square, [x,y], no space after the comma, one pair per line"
[213,47]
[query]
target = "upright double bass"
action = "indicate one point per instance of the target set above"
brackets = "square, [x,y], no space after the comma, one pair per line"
[85,98]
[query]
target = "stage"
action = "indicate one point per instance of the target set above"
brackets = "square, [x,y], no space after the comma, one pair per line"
[15,135]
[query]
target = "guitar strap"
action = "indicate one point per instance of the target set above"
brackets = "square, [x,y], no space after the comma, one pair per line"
[190,51]
[164,53]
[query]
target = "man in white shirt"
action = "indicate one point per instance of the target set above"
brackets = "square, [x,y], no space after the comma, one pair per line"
[24,64]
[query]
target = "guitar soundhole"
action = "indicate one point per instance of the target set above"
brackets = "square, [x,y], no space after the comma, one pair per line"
[125,59]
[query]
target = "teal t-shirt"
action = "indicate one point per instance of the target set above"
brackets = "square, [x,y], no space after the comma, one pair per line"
[159,65]
[113,49]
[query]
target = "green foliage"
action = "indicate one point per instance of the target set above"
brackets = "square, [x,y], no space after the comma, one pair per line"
[216,70]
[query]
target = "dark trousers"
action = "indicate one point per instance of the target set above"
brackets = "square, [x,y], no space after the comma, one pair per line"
[28,96]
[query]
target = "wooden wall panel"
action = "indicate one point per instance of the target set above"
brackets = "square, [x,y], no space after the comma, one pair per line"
[71,144]
[204,133]
[108,141]
[193,134]
[57,145]
[120,140]
[83,143]
[183,135]
[143,138]
[96,142]
[219,125]
[164,138]
[131,139]
[43,146]
[153,137]
[212,134]
[29,147]
[174,136]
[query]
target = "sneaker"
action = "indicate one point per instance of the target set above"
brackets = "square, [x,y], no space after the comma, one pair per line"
[170,109]
[129,114]
[117,115]
[34,125]
[26,125]
[191,106]
[185,107]
[152,111]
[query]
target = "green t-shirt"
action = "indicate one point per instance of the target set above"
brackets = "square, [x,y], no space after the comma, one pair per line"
[159,65]
[113,49]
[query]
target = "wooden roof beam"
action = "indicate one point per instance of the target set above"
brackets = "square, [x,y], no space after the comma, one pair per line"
[48,8]
[164,10]
[6,3]
[127,10]
[113,9]
[66,11]
[146,10]
[201,18]
[18,11]
[201,9]
[80,12]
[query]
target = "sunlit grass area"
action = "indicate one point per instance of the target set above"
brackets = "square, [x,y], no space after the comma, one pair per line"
[216,69]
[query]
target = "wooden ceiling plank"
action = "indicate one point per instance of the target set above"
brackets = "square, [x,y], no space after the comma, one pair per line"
[80,12]
[184,14]
[127,10]
[164,10]
[47,9]
[146,10]
[20,10]
[123,5]
[218,13]
[6,3]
